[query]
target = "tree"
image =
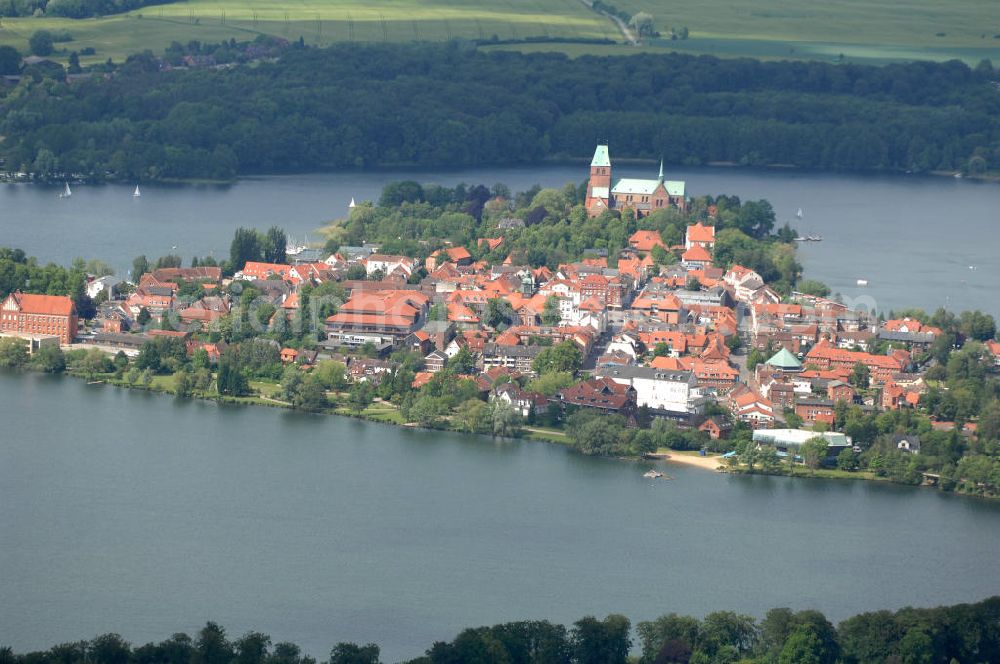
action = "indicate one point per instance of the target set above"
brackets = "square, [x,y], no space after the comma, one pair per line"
[601,641]
[813,287]
[643,24]
[564,356]
[595,434]
[274,245]
[802,647]
[550,312]
[847,459]
[350,653]
[472,416]
[427,410]
[244,247]
[463,362]
[726,629]
[814,451]
[109,649]
[332,374]
[49,359]
[311,395]
[977,325]
[143,317]
[755,218]
[74,63]
[231,381]
[860,376]
[360,396]
[504,419]
[211,646]
[13,352]
[551,382]
[669,629]
[183,384]
[499,314]
[140,266]
[41,43]
[10,61]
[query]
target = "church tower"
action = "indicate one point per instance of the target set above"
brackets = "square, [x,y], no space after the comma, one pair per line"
[599,186]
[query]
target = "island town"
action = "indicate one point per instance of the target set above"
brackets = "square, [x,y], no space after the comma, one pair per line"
[664,339]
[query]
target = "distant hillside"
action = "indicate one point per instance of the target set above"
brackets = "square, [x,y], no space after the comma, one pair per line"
[356,107]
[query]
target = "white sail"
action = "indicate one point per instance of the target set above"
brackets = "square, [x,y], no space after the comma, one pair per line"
[66,192]
[352,205]
[799,213]
[136,193]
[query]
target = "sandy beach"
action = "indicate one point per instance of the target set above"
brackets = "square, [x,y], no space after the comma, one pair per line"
[696,460]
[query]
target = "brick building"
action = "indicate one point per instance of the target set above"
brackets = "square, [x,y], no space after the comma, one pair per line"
[25,313]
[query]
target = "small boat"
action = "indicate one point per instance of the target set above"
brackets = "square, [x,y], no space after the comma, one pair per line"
[798,214]
[862,282]
[66,192]
[814,238]
[136,193]
[652,475]
[352,205]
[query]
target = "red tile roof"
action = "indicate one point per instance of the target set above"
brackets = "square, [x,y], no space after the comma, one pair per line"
[48,305]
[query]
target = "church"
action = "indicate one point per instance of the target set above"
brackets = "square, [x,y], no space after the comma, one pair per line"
[642,196]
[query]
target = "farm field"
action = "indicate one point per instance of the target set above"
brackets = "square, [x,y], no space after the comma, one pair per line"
[859,30]
[319,22]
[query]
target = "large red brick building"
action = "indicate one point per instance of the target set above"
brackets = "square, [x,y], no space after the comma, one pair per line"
[642,196]
[25,313]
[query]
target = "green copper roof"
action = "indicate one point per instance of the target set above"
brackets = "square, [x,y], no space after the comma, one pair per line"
[784,360]
[601,157]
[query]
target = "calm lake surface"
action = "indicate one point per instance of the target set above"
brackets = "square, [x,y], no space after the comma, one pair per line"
[918,241]
[137,513]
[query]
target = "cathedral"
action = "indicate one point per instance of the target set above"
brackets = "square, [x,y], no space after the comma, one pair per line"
[642,196]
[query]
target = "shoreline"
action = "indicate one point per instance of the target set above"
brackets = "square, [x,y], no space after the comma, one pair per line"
[713,463]
[556,160]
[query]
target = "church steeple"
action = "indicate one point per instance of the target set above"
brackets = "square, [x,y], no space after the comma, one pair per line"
[661,171]
[599,186]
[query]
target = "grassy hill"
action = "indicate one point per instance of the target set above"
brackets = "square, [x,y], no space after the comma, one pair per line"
[860,30]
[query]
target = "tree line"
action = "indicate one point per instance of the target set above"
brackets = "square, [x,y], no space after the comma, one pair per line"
[351,106]
[959,633]
[72,8]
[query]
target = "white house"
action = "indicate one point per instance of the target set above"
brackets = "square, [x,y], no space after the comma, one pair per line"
[386,264]
[672,391]
[107,284]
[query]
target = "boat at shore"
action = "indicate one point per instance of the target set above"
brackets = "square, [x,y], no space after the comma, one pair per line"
[652,474]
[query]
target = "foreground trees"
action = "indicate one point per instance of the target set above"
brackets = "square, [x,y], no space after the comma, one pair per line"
[963,633]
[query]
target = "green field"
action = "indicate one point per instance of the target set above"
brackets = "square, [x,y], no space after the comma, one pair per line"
[321,22]
[860,30]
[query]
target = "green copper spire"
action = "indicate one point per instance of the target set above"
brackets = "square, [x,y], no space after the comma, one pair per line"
[601,157]
[661,169]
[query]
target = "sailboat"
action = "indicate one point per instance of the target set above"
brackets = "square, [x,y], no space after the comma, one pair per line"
[66,192]
[799,214]
[136,193]
[352,204]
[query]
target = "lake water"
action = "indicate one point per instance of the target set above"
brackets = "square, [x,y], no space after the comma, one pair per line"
[137,513]
[918,241]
